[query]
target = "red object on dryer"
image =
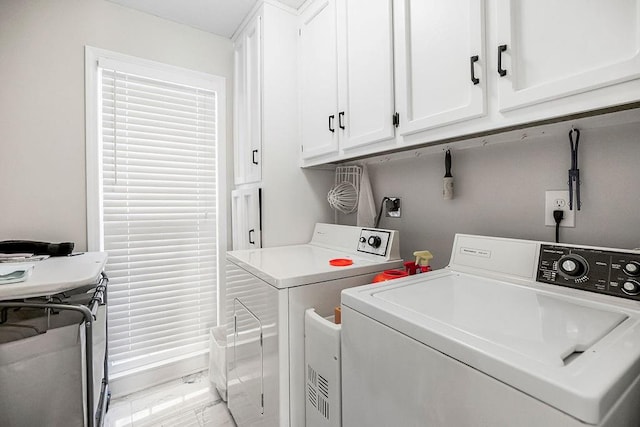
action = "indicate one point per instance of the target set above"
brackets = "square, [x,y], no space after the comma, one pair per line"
[389,275]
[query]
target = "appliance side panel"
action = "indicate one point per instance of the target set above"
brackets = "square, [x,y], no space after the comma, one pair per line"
[625,412]
[253,366]
[387,376]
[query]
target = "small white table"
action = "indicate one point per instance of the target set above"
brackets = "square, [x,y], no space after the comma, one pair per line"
[57,274]
[53,285]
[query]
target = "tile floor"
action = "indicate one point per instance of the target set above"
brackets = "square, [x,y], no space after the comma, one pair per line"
[189,401]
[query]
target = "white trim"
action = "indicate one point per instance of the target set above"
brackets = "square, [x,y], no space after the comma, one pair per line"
[256,10]
[132,381]
[221,202]
[93,150]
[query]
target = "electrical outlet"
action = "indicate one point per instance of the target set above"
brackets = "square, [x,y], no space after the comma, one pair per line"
[558,200]
[392,207]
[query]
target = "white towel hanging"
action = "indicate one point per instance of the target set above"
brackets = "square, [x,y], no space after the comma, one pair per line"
[366,216]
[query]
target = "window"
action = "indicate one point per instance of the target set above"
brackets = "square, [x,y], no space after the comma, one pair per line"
[153,186]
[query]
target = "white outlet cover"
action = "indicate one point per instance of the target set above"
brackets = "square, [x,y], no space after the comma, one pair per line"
[558,199]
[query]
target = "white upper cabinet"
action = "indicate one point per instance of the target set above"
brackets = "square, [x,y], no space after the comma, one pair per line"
[365,71]
[440,62]
[553,49]
[248,104]
[454,69]
[346,75]
[318,80]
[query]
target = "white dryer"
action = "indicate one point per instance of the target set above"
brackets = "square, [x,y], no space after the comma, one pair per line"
[511,333]
[268,291]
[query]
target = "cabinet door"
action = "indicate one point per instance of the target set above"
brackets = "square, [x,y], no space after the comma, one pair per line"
[246,218]
[248,99]
[365,65]
[437,43]
[560,48]
[240,134]
[318,80]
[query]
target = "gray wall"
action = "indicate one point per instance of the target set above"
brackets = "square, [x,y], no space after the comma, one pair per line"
[499,191]
[42,134]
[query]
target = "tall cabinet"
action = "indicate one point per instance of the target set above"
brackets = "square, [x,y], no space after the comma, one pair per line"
[274,202]
[247,142]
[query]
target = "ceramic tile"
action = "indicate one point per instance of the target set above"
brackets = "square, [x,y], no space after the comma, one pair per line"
[189,401]
[119,414]
[215,415]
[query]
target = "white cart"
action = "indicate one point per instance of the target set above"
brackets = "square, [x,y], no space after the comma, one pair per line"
[53,346]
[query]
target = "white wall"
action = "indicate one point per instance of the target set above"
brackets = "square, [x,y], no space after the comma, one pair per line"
[499,191]
[42,136]
[294,198]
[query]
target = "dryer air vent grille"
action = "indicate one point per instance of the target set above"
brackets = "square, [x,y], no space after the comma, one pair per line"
[318,391]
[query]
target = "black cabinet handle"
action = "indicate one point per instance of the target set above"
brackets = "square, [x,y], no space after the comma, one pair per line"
[501,71]
[331,128]
[251,241]
[340,117]
[474,79]
[253,157]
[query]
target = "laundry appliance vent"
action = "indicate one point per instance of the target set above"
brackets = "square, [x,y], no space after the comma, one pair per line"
[318,391]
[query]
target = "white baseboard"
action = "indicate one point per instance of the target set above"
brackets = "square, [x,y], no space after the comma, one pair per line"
[132,381]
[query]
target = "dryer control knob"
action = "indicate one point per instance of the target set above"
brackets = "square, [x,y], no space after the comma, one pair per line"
[374,241]
[631,287]
[573,266]
[632,268]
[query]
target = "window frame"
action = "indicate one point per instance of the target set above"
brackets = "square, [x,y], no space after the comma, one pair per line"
[93,145]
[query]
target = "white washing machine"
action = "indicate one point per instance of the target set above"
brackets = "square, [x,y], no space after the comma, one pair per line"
[510,333]
[268,291]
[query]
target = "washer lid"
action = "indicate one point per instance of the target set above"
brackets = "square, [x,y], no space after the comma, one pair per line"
[576,355]
[534,325]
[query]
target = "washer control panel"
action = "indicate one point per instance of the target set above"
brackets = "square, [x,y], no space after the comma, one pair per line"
[594,270]
[374,242]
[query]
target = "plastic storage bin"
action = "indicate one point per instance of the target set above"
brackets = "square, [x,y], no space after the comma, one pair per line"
[322,362]
[42,375]
[218,359]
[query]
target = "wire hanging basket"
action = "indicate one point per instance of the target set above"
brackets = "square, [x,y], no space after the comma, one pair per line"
[343,196]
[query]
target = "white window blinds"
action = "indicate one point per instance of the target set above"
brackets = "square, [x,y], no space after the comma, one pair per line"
[159,216]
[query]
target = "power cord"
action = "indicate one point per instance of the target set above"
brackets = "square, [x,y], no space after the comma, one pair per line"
[384,200]
[558,216]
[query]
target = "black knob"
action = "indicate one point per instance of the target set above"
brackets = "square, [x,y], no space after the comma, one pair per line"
[632,268]
[362,240]
[573,266]
[374,241]
[631,287]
